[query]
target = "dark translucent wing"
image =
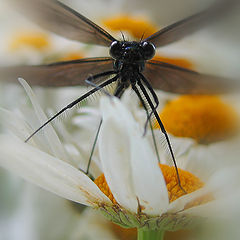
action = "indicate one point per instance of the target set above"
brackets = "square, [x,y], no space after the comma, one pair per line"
[62,20]
[60,74]
[181,29]
[174,79]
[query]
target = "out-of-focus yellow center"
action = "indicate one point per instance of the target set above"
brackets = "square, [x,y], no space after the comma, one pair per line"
[135,26]
[204,118]
[35,40]
[189,182]
[71,56]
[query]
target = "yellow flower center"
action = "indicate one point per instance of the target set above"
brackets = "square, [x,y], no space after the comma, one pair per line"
[135,26]
[204,118]
[35,40]
[189,182]
[103,186]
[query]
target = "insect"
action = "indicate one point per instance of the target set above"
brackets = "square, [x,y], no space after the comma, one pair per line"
[129,64]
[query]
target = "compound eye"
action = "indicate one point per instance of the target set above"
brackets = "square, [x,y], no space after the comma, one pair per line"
[148,50]
[115,49]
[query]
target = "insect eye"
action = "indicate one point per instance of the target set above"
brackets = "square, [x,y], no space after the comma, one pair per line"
[148,50]
[116,49]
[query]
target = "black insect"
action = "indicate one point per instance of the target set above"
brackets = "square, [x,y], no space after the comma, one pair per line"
[130,64]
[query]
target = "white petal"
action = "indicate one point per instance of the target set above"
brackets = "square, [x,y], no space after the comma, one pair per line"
[149,184]
[180,147]
[15,124]
[198,160]
[18,126]
[114,153]
[130,157]
[48,172]
[52,138]
[222,186]
[220,209]
[180,203]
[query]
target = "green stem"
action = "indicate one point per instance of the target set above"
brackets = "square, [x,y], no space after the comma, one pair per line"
[150,235]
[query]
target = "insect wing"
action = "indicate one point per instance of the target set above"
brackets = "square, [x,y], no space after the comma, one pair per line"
[58,18]
[187,26]
[174,79]
[59,74]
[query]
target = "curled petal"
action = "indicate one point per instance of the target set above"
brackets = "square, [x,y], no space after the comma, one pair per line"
[48,172]
[51,136]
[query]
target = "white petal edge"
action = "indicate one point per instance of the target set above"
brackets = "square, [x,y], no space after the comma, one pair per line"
[148,180]
[48,172]
[51,136]
[115,152]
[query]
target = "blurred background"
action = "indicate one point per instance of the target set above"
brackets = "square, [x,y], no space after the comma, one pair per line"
[29,213]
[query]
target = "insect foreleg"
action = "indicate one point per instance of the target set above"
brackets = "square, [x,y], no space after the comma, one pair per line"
[145,93]
[135,89]
[72,104]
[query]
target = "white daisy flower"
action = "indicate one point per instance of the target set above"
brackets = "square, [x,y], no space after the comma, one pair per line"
[146,196]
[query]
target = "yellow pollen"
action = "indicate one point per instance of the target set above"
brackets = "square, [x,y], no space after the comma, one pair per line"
[204,118]
[181,62]
[35,40]
[103,186]
[189,182]
[135,26]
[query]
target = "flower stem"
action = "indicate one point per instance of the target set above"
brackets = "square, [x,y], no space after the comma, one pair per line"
[150,235]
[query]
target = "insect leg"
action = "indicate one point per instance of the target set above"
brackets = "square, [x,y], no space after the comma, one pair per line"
[93,147]
[91,78]
[98,130]
[154,95]
[72,104]
[119,90]
[145,107]
[145,93]
[150,88]
[118,93]
[99,88]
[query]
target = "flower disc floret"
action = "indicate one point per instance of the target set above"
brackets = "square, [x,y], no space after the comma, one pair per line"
[189,183]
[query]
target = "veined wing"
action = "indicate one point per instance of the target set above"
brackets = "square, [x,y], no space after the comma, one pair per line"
[187,26]
[70,73]
[174,79]
[58,18]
